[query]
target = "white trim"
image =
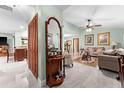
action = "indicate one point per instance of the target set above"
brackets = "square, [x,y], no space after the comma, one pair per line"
[41,83]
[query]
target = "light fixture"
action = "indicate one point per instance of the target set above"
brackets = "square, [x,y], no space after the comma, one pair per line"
[22,27]
[88,29]
[68,35]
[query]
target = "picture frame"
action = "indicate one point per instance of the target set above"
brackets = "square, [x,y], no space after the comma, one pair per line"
[89,39]
[104,38]
[69,42]
[24,40]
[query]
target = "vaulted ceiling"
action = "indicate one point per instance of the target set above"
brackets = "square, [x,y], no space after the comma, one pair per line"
[15,20]
[111,16]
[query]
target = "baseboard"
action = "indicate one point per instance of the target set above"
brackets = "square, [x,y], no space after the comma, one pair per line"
[41,83]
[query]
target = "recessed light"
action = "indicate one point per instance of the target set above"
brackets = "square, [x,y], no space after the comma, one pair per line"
[22,27]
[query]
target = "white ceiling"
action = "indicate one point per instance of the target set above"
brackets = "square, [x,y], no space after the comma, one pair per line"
[107,16]
[62,7]
[111,16]
[10,21]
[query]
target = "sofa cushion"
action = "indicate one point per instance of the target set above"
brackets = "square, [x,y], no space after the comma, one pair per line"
[110,52]
[120,51]
[91,50]
[95,50]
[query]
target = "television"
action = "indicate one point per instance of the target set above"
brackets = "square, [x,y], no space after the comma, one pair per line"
[3,40]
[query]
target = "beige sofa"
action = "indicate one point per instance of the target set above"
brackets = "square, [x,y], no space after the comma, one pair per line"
[91,52]
[95,50]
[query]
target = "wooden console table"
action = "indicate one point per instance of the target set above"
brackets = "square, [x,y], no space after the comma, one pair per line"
[20,54]
[54,69]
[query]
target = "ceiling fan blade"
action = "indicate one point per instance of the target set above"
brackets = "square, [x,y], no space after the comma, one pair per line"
[6,7]
[93,26]
[97,25]
[82,27]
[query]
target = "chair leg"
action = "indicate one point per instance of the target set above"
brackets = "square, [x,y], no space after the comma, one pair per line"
[118,77]
[72,64]
[100,68]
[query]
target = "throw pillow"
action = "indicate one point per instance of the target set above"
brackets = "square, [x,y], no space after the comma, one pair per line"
[110,52]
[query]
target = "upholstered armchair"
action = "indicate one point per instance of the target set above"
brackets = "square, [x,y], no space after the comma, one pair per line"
[68,59]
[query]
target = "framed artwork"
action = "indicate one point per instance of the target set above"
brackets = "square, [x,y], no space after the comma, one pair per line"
[104,38]
[69,42]
[89,39]
[24,41]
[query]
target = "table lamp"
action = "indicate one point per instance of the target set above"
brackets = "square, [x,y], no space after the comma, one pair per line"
[114,44]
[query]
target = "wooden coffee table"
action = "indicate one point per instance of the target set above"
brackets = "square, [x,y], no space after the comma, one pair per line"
[94,56]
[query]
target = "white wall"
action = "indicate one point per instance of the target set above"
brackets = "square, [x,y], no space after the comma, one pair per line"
[18,36]
[116,35]
[73,31]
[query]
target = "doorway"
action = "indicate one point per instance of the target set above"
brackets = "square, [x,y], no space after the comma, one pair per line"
[33,46]
[75,45]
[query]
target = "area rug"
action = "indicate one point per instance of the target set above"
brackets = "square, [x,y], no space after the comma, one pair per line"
[92,63]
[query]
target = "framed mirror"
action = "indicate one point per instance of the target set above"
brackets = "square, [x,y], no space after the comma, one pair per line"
[53,37]
[55,71]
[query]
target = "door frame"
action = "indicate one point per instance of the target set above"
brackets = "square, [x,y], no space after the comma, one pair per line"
[73,43]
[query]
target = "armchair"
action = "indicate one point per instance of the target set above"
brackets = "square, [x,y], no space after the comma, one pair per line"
[68,59]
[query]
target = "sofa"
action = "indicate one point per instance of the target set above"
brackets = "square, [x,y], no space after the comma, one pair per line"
[91,52]
[95,50]
[111,59]
[109,62]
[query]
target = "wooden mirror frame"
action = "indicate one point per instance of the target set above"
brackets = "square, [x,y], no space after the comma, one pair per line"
[46,27]
[47,56]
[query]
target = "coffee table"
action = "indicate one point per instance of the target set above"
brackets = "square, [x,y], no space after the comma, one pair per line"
[93,55]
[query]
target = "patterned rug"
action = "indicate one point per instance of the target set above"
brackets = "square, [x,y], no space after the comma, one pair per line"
[92,63]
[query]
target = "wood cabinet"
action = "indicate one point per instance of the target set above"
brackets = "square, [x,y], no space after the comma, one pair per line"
[20,54]
[55,67]
[4,51]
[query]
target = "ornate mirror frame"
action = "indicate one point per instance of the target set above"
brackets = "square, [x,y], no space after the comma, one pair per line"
[47,50]
[47,29]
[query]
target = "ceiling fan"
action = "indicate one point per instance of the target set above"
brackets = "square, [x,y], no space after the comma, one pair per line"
[8,8]
[90,25]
